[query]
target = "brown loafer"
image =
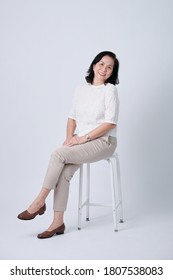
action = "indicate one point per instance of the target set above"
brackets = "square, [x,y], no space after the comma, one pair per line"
[25,215]
[48,234]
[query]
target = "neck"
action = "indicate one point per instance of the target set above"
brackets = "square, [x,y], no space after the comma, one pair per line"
[97,82]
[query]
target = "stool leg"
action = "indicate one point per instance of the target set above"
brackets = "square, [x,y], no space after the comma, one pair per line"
[88,192]
[119,188]
[114,204]
[80,197]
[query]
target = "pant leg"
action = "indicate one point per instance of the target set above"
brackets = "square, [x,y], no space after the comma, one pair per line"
[54,170]
[89,152]
[61,191]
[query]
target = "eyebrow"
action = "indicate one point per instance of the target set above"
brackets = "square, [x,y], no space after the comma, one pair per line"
[108,64]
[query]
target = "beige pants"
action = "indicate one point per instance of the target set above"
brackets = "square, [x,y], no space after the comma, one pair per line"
[65,161]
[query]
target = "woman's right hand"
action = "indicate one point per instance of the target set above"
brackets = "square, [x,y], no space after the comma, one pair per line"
[71,141]
[67,141]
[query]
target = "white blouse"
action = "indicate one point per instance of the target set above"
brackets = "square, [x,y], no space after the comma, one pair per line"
[94,105]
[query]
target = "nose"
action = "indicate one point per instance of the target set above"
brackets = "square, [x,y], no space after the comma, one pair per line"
[104,68]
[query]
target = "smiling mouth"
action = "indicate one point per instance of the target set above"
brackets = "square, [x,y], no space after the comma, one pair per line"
[102,74]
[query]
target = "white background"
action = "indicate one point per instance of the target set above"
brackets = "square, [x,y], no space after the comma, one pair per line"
[46,48]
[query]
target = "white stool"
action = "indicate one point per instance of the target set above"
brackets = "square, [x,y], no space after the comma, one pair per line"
[116,204]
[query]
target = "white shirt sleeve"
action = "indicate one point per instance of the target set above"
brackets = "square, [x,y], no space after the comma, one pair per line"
[111,105]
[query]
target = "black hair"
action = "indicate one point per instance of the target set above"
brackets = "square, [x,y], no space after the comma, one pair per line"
[113,79]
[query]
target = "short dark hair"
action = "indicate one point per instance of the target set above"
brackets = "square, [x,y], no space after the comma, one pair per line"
[113,79]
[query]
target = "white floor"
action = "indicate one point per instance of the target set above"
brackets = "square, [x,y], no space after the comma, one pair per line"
[143,236]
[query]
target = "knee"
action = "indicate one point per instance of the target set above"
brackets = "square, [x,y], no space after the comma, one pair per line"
[58,155]
[69,171]
[68,174]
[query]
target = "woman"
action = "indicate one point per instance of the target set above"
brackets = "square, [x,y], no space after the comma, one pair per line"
[93,117]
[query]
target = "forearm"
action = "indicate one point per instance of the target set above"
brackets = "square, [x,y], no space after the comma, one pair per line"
[93,134]
[100,130]
[71,126]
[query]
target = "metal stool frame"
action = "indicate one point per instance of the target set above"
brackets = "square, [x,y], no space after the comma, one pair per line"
[115,191]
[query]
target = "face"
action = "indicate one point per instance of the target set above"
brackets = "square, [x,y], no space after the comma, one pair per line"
[103,70]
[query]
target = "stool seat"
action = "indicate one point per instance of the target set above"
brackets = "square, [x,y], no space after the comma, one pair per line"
[116,192]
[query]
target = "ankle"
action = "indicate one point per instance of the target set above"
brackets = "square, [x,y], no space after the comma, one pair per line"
[55,225]
[36,205]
